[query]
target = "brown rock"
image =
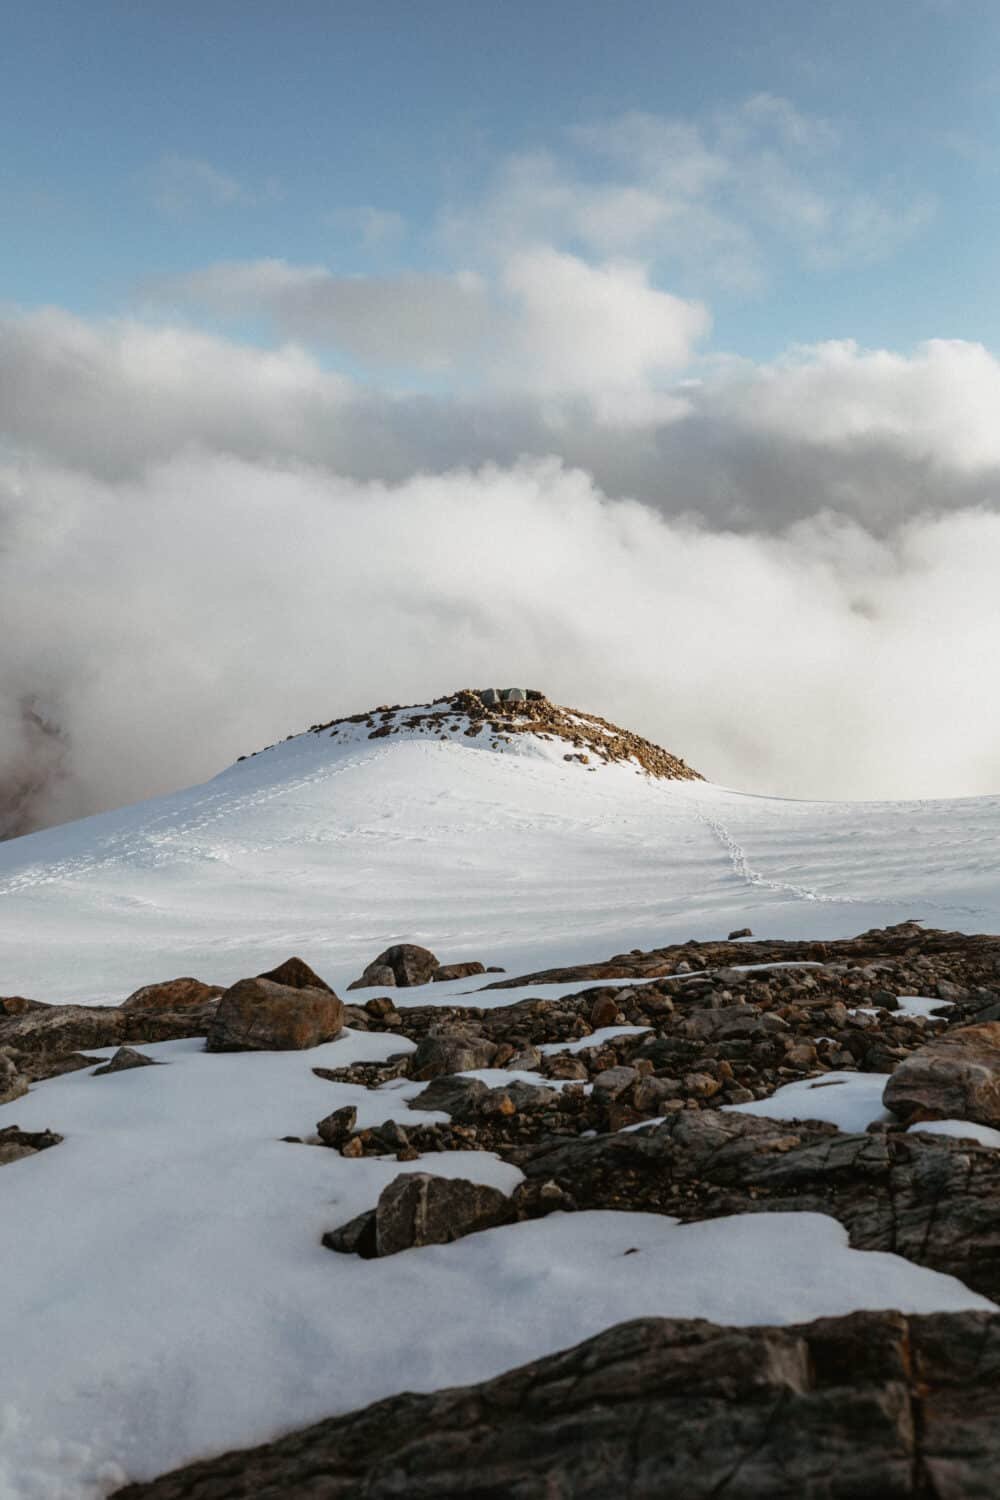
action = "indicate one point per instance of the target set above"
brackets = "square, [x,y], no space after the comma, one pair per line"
[297,975]
[12,1082]
[604,1012]
[954,1077]
[407,963]
[259,1015]
[172,995]
[444,972]
[335,1129]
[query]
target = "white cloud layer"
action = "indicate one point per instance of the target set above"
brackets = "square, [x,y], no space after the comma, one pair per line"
[206,546]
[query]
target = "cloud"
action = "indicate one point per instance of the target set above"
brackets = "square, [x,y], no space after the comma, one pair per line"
[205,545]
[553,322]
[180,186]
[215,604]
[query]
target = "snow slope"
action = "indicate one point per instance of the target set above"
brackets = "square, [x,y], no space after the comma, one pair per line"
[333,847]
[171,1296]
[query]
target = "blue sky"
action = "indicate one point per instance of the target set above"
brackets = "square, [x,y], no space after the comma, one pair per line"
[145,141]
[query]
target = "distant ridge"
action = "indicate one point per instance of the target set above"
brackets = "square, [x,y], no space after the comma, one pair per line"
[491,716]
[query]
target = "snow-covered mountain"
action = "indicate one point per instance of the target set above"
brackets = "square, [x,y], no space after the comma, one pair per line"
[402,825]
[172,1296]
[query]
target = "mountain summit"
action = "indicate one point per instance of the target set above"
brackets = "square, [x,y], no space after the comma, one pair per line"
[521,719]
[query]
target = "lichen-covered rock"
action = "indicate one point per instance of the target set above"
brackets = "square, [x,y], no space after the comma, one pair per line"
[954,1077]
[334,1129]
[172,995]
[259,1015]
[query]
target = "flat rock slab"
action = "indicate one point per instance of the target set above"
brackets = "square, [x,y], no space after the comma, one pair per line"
[933,1199]
[954,1077]
[873,1406]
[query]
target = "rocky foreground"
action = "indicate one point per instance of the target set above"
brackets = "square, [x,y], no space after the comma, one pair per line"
[621,1096]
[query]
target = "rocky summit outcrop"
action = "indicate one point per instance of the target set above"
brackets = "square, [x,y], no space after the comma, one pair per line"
[259,1015]
[954,1077]
[498,721]
[872,1406]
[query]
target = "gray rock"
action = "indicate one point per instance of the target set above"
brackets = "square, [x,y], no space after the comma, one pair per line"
[873,1406]
[124,1059]
[419,1209]
[954,1077]
[356,1237]
[458,1097]
[453,1051]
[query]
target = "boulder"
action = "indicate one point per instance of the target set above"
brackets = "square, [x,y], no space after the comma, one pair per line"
[450,1052]
[172,995]
[406,963]
[419,1209]
[444,972]
[257,1015]
[124,1059]
[458,1097]
[871,1406]
[297,975]
[954,1077]
[739,932]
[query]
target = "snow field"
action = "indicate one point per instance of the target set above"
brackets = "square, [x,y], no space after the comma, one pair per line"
[173,1298]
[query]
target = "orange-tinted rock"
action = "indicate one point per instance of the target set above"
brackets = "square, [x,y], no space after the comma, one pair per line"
[259,1015]
[172,995]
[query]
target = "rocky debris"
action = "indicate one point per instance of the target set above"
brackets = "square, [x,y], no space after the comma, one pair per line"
[259,1015]
[334,1129]
[417,1208]
[16,1144]
[296,974]
[871,1406]
[172,995]
[444,972]
[13,1083]
[404,964]
[954,1077]
[124,1059]
[923,950]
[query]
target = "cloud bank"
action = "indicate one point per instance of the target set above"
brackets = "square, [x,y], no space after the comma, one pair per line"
[789,577]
